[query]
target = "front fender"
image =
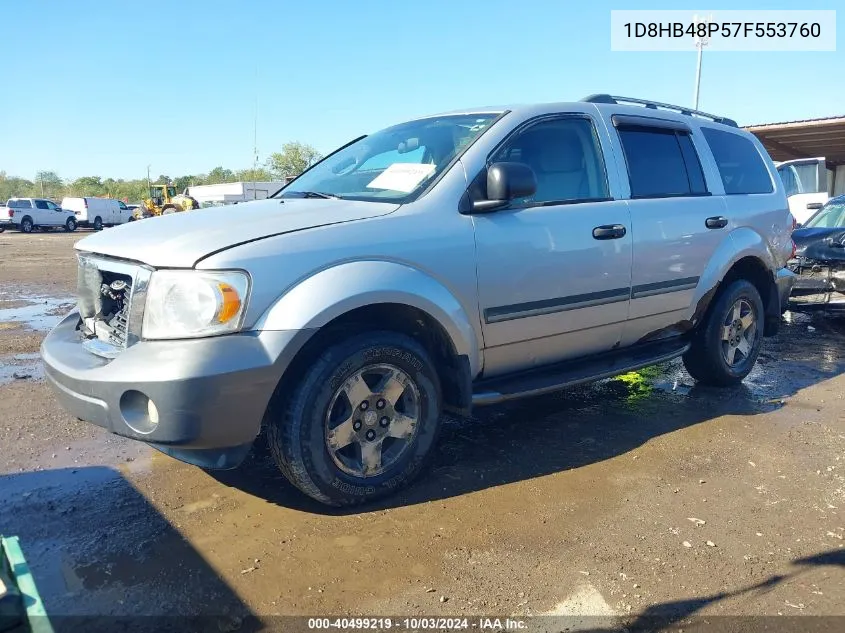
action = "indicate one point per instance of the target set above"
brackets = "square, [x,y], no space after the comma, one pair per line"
[317,300]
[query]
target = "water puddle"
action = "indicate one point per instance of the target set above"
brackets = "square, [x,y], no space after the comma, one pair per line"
[21,367]
[37,312]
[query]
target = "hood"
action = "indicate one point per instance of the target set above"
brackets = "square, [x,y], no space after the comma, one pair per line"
[180,240]
[815,243]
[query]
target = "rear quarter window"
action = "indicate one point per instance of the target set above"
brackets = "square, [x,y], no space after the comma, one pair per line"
[740,165]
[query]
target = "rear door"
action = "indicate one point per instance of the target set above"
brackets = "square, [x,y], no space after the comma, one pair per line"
[41,214]
[805,181]
[676,223]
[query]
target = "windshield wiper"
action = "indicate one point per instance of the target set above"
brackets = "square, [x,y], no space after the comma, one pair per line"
[316,194]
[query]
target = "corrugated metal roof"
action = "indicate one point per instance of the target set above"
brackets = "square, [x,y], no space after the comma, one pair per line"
[824,118]
[806,138]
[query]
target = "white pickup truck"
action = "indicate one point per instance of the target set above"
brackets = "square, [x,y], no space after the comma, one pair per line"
[28,214]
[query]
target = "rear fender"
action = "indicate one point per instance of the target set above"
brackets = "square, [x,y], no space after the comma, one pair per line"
[739,244]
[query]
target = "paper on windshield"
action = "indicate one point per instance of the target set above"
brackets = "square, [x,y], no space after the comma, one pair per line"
[402,177]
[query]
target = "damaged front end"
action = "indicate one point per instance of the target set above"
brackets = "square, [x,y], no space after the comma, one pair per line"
[819,264]
[110,302]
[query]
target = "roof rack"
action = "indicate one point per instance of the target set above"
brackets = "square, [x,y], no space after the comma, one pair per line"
[654,105]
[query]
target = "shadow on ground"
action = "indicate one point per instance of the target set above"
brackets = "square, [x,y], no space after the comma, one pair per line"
[105,559]
[681,615]
[531,438]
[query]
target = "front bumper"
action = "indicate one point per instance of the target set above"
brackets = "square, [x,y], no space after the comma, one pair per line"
[210,394]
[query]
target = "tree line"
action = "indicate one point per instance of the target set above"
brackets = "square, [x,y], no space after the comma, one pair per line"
[293,159]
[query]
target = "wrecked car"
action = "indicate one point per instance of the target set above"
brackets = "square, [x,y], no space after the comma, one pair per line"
[448,262]
[819,260]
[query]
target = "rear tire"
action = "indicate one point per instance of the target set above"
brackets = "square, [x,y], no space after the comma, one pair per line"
[26,225]
[98,223]
[70,225]
[2,228]
[362,421]
[726,345]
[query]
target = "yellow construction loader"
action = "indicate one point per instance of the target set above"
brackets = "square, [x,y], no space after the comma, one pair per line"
[162,201]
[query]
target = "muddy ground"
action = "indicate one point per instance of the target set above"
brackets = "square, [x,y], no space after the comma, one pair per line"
[627,498]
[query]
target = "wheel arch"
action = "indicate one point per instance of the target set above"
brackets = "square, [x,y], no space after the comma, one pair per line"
[743,255]
[357,296]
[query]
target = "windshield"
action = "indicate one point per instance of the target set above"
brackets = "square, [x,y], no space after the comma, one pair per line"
[831,216]
[392,165]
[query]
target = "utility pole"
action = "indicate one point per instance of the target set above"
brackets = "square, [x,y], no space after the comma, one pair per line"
[255,136]
[41,177]
[148,177]
[700,43]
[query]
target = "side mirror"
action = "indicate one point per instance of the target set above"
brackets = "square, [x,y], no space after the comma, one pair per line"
[506,181]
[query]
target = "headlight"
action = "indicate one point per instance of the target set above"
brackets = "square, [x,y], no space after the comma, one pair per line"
[193,303]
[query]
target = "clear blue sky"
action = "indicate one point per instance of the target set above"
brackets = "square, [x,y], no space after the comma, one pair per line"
[106,88]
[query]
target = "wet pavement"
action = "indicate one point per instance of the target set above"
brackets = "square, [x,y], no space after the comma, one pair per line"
[636,496]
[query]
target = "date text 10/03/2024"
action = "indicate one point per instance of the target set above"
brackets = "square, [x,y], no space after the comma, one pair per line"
[418,624]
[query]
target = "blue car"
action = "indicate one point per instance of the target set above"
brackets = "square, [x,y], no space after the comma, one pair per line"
[819,260]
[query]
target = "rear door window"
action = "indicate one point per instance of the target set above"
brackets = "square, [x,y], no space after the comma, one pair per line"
[661,162]
[740,165]
[20,204]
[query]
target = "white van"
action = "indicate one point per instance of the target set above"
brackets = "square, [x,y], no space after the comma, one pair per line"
[808,185]
[97,212]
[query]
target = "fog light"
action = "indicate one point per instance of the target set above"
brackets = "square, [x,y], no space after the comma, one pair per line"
[139,412]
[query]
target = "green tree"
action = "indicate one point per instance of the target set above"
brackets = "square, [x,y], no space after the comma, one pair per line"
[12,186]
[218,175]
[188,181]
[258,175]
[294,158]
[49,184]
[87,186]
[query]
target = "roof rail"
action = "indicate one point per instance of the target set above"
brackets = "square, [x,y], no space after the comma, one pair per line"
[654,105]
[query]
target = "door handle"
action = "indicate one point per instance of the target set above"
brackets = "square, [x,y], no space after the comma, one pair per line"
[609,232]
[717,222]
[814,205]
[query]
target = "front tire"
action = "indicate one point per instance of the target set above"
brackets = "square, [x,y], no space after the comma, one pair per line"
[726,345]
[70,225]
[362,421]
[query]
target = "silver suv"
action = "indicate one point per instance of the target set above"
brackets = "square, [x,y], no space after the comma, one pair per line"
[448,262]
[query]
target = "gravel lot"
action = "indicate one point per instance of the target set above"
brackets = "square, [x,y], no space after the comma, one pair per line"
[625,499]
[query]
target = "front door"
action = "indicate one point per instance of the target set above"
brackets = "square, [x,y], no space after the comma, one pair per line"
[56,215]
[554,269]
